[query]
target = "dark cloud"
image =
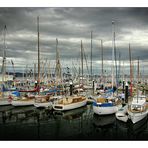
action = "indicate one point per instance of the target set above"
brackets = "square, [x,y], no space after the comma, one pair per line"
[70,26]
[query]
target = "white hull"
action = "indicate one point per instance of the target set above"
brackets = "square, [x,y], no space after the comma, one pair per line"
[106,110]
[123,118]
[135,117]
[121,114]
[4,102]
[43,105]
[62,107]
[23,103]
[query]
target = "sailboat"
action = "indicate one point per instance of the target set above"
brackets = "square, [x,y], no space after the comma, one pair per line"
[138,108]
[41,99]
[104,105]
[28,98]
[108,103]
[4,95]
[72,101]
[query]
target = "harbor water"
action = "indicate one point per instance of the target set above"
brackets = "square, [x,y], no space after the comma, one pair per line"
[30,123]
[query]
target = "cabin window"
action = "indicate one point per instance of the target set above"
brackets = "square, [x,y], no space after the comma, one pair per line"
[58,107]
[136,107]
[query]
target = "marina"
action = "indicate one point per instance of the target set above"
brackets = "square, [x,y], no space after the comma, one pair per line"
[58,84]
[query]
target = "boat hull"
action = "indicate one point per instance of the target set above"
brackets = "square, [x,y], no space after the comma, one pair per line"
[106,110]
[123,118]
[22,103]
[4,102]
[136,117]
[62,107]
[43,105]
[122,114]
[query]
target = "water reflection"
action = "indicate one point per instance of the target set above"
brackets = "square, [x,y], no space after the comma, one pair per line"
[70,115]
[104,126]
[130,131]
[103,121]
[29,123]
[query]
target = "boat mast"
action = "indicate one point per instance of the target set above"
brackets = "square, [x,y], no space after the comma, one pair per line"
[123,74]
[38,51]
[138,71]
[35,71]
[131,72]
[13,69]
[84,55]
[91,56]
[118,72]
[113,49]
[4,60]
[4,57]
[119,76]
[58,66]
[102,61]
[137,79]
[82,60]
[49,76]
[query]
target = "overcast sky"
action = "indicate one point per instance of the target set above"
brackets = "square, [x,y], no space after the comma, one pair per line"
[70,26]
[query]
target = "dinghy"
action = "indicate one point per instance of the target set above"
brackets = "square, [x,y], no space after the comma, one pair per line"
[121,114]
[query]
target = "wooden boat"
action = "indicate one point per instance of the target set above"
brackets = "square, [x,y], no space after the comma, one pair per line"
[138,109]
[121,114]
[68,103]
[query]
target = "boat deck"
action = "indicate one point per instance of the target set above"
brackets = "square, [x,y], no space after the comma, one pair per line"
[66,101]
